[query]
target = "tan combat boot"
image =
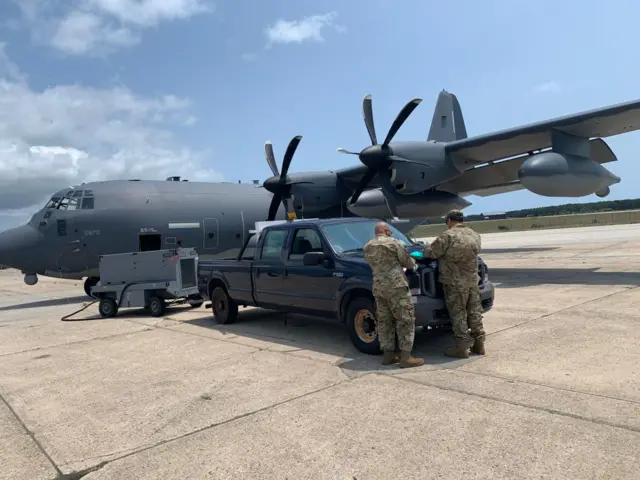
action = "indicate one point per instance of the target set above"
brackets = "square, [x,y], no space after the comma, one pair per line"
[407,361]
[478,347]
[459,351]
[390,357]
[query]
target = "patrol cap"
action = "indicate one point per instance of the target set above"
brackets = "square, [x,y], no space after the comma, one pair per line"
[455,215]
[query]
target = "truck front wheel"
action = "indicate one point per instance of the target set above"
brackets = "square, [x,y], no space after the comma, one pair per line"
[225,310]
[361,325]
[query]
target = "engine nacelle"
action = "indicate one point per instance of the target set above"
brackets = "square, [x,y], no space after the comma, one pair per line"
[372,204]
[551,174]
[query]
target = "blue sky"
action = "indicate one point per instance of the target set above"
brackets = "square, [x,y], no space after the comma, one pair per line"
[150,88]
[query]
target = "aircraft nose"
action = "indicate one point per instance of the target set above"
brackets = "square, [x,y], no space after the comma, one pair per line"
[16,246]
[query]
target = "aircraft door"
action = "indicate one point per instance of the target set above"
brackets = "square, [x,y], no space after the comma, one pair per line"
[72,252]
[211,233]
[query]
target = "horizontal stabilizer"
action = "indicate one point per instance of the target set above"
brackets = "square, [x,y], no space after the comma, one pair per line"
[602,122]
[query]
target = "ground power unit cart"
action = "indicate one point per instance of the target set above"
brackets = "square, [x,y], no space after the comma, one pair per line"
[147,280]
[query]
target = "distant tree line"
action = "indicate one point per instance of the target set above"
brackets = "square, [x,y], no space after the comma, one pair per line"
[566,209]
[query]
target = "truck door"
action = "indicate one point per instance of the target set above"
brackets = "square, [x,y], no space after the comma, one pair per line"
[269,269]
[313,288]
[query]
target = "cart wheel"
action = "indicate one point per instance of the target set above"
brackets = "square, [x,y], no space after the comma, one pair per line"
[225,310]
[156,306]
[107,307]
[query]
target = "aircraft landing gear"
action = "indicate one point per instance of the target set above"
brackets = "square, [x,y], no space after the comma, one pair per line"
[89,283]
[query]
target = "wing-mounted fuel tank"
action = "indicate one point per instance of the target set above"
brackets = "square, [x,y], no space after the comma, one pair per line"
[372,204]
[428,166]
[567,170]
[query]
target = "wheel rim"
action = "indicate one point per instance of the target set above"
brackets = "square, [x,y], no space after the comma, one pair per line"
[220,306]
[155,307]
[106,308]
[365,326]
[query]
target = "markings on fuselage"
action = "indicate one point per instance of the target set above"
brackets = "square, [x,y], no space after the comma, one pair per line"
[185,225]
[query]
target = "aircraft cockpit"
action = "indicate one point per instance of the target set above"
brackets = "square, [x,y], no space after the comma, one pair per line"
[71,200]
[75,199]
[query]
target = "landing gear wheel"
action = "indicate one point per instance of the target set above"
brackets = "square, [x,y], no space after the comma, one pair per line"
[156,306]
[108,307]
[225,310]
[89,283]
[361,325]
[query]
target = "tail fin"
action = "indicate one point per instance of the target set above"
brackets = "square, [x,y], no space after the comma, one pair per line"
[447,124]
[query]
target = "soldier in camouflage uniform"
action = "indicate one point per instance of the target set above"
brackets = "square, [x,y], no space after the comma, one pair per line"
[457,249]
[394,310]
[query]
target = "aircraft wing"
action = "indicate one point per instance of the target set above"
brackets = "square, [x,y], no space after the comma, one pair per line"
[502,177]
[602,122]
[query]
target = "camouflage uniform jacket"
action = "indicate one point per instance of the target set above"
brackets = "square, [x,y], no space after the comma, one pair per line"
[457,249]
[386,256]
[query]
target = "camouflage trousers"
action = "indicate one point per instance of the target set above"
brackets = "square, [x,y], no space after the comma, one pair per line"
[465,311]
[395,316]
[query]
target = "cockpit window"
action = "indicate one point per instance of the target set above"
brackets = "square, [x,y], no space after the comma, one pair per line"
[53,203]
[77,193]
[87,203]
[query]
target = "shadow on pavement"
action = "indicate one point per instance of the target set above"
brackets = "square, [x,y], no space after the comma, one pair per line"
[324,336]
[52,302]
[522,277]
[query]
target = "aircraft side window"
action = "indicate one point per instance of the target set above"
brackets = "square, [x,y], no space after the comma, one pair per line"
[87,203]
[77,193]
[305,240]
[74,204]
[88,193]
[273,244]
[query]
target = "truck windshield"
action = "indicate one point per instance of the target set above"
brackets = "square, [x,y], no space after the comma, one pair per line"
[350,237]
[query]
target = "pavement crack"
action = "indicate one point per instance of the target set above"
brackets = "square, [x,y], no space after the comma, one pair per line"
[514,403]
[626,289]
[101,465]
[31,435]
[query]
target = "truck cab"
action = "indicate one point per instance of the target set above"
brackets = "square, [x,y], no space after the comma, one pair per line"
[317,267]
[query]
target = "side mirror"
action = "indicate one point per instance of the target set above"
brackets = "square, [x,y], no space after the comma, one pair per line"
[311,259]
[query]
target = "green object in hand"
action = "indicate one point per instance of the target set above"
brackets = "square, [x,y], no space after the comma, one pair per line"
[417,254]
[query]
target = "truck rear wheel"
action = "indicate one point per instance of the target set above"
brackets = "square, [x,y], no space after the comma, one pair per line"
[225,310]
[361,325]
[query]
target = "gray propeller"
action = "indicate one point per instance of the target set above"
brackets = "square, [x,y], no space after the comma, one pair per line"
[378,158]
[280,184]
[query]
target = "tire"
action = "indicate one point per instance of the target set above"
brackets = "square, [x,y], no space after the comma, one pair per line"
[156,306]
[108,307]
[361,325]
[88,283]
[225,310]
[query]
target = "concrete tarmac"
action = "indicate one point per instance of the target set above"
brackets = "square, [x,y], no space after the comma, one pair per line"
[556,397]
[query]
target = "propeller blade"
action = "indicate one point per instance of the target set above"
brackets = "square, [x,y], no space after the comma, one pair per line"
[268,154]
[367,112]
[389,193]
[401,118]
[273,207]
[288,155]
[364,181]
[395,158]
[342,150]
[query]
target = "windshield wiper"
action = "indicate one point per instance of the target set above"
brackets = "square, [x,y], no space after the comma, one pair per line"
[354,250]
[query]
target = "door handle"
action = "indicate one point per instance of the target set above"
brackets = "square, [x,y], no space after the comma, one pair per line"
[272,274]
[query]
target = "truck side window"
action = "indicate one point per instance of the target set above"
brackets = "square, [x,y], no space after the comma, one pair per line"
[273,244]
[305,240]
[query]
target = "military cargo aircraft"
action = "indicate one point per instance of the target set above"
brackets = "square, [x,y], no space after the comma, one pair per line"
[412,180]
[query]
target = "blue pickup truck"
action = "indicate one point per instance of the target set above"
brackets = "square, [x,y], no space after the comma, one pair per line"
[316,267]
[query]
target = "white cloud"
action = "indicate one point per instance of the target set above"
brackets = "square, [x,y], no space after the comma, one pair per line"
[68,134]
[99,27]
[547,87]
[298,31]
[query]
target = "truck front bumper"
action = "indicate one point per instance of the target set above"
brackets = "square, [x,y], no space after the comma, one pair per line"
[432,312]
